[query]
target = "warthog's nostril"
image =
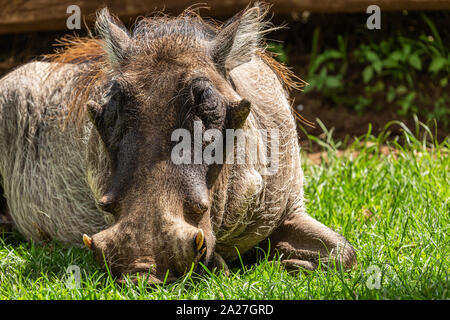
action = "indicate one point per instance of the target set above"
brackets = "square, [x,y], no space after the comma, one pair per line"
[197,199]
[87,241]
[106,203]
[202,207]
[198,207]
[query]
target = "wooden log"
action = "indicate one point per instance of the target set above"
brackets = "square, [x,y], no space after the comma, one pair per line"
[39,15]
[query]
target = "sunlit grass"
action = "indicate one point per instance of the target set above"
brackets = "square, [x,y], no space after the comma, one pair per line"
[394,207]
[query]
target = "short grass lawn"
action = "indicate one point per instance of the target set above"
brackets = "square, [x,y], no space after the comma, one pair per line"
[391,200]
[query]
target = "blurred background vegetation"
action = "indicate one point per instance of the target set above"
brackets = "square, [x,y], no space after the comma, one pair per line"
[371,76]
[359,79]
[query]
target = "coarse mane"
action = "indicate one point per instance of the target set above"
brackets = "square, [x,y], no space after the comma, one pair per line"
[91,55]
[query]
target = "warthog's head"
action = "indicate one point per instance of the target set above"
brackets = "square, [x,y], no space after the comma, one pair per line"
[169,73]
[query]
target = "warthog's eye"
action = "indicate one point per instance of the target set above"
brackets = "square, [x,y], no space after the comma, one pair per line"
[114,116]
[201,92]
[208,103]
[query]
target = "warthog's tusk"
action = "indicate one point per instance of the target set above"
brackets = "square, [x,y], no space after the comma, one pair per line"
[199,256]
[199,239]
[87,241]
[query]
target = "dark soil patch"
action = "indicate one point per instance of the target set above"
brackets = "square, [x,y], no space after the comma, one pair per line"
[347,123]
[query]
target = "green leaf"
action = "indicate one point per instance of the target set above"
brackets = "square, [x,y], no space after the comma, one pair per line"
[333,54]
[415,62]
[333,82]
[372,56]
[325,56]
[378,66]
[390,63]
[410,97]
[406,104]
[367,74]
[396,55]
[321,78]
[434,32]
[437,64]
[390,95]
[280,52]
[409,79]
[406,49]
[401,89]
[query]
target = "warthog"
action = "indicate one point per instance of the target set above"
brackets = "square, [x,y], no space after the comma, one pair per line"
[86,148]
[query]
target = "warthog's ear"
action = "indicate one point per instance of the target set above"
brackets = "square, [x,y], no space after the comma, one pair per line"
[115,35]
[239,38]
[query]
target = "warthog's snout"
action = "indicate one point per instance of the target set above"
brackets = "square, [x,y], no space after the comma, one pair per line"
[156,260]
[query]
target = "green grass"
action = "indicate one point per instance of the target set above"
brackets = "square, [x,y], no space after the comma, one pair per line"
[393,208]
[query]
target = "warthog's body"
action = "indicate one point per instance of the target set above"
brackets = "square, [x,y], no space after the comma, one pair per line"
[53,178]
[44,168]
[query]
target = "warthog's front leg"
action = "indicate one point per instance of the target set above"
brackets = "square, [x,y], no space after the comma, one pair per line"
[303,241]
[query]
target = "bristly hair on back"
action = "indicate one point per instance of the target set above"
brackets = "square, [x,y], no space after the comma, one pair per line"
[90,55]
[98,56]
